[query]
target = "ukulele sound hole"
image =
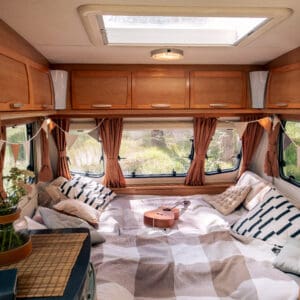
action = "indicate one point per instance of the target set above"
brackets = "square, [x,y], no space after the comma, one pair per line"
[167,209]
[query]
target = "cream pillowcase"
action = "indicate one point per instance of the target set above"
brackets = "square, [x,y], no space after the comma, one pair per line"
[288,260]
[79,209]
[230,199]
[258,198]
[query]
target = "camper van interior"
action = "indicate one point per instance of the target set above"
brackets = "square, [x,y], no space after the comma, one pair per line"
[150,149]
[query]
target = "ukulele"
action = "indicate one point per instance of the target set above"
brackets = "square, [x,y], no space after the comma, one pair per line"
[163,217]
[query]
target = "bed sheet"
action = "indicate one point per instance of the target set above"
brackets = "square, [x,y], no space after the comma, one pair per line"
[125,214]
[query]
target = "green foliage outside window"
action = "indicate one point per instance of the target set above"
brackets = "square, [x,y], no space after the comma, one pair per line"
[291,153]
[85,155]
[16,134]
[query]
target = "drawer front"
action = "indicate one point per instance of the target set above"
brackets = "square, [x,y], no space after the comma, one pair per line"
[218,89]
[14,88]
[101,89]
[42,89]
[158,90]
[283,89]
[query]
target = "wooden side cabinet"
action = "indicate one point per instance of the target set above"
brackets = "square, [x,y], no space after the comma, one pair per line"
[14,87]
[160,89]
[101,89]
[283,90]
[221,89]
[42,94]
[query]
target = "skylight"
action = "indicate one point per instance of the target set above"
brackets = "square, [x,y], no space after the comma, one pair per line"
[175,30]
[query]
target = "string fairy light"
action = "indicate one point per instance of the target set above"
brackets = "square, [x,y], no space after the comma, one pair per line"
[50,123]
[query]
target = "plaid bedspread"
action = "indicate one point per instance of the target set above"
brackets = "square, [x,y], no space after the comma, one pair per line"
[179,266]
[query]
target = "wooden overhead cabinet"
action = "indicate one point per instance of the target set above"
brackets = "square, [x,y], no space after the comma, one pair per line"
[283,90]
[42,95]
[222,89]
[14,87]
[101,89]
[160,89]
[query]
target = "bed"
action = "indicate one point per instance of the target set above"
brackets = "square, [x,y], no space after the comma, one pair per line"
[205,255]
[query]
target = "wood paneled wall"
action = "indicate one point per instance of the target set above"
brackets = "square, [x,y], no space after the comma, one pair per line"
[288,58]
[12,42]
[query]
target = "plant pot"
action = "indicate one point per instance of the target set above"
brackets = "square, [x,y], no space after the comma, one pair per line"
[16,254]
[14,246]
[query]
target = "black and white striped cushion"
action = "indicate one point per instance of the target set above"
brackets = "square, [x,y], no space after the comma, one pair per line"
[275,220]
[88,191]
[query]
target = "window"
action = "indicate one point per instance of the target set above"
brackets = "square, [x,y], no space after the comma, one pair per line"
[151,149]
[165,149]
[224,151]
[85,154]
[180,26]
[18,155]
[290,152]
[177,30]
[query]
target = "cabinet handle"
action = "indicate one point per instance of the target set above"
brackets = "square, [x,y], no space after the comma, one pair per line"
[102,105]
[160,105]
[220,105]
[281,104]
[16,105]
[46,106]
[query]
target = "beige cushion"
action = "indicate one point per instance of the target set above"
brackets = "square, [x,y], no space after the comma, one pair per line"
[49,193]
[59,181]
[288,260]
[229,200]
[79,209]
[255,189]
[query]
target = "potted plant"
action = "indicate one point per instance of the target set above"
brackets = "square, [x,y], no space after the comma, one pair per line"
[14,245]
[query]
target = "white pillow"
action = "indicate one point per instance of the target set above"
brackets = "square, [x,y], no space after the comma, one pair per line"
[79,209]
[288,260]
[33,225]
[252,201]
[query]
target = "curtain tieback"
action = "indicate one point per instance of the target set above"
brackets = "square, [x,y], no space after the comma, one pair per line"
[200,155]
[62,153]
[111,158]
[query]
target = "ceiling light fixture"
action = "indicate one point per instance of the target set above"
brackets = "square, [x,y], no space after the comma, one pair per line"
[167,54]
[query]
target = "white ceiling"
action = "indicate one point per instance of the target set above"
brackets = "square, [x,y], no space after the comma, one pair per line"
[55,29]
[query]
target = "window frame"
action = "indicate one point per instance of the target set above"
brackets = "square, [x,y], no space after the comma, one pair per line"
[281,162]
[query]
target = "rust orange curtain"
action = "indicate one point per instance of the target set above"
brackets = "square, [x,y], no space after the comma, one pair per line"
[204,130]
[61,144]
[250,140]
[271,166]
[110,132]
[2,156]
[45,173]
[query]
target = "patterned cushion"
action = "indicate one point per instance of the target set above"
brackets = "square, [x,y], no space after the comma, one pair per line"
[229,200]
[88,191]
[274,220]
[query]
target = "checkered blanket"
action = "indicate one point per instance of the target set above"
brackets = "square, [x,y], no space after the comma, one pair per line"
[177,266]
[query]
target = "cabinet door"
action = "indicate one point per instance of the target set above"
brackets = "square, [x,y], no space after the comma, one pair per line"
[226,89]
[283,89]
[41,88]
[166,89]
[101,89]
[14,91]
